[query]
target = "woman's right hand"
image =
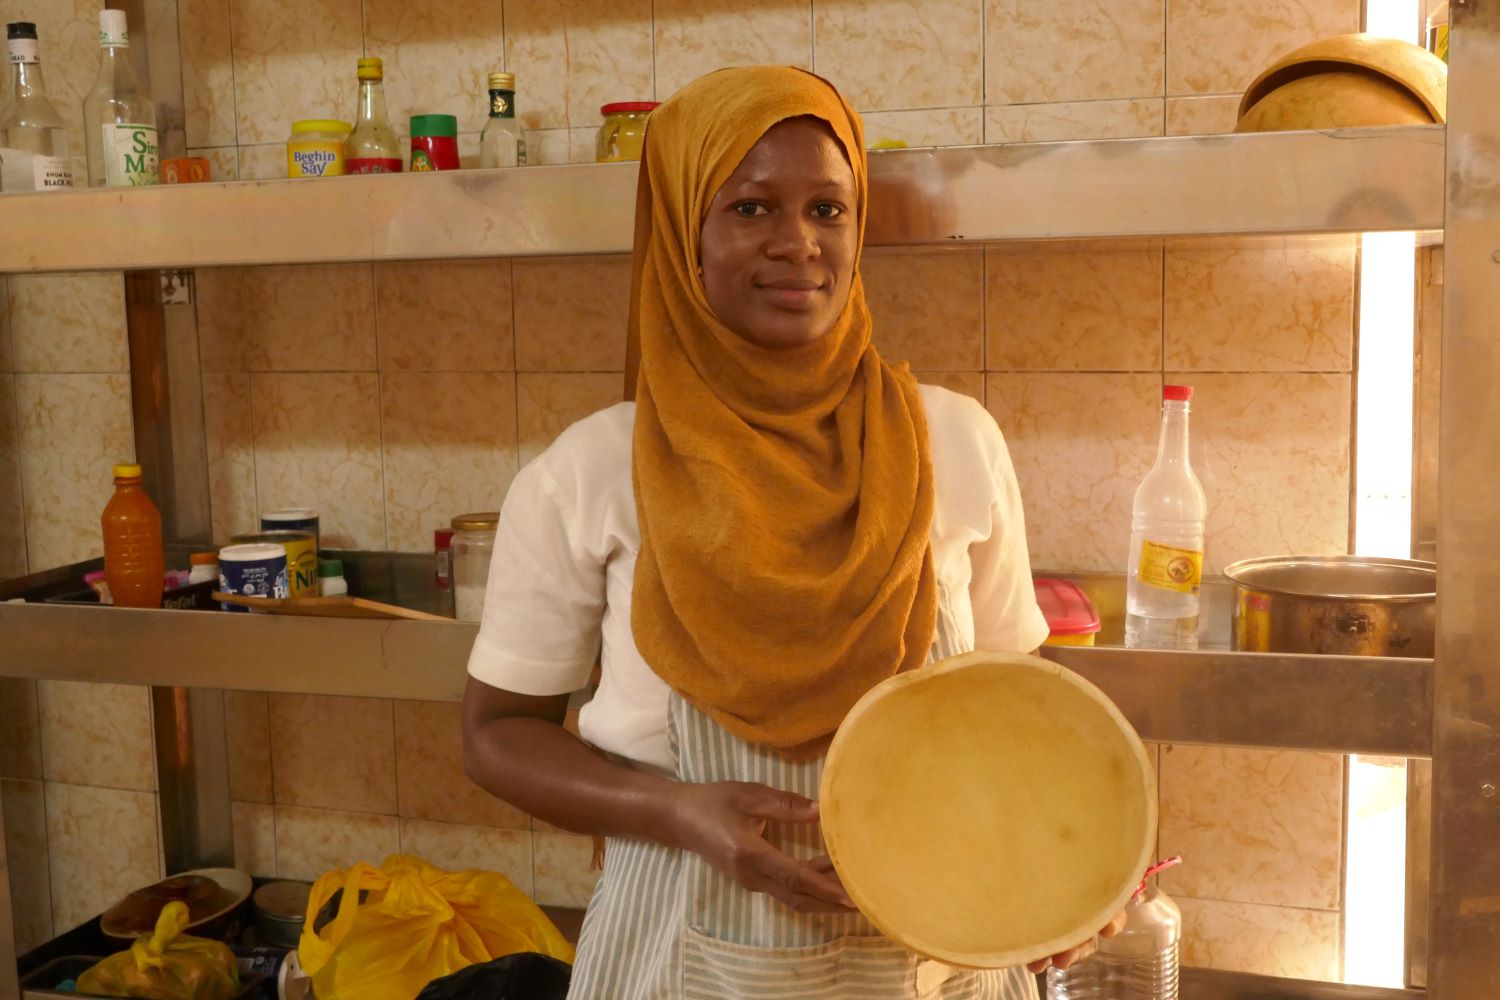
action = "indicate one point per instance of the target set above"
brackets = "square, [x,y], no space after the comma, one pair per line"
[724,822]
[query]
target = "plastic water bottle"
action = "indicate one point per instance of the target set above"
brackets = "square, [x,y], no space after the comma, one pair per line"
[1139,963]
[134,564]
[1166,539]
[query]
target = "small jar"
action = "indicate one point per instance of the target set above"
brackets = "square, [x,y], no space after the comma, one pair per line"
[316,148]
[434,143]
[623,132]
[473,544]
[205,568]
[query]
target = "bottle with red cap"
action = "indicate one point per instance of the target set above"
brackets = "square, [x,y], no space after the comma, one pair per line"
[1166,539]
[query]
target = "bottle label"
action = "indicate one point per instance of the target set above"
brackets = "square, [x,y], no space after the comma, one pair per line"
[51,173]
[24,50]
[129,155]
[372,165]
[502,104]
[1170,567]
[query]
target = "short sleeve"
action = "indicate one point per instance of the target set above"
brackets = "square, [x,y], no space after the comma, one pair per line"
[1006,616]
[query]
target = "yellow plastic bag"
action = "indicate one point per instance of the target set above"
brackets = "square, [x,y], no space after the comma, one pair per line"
[167,965]
[417,923]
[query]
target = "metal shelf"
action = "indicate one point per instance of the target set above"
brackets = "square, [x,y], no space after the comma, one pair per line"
[1296,183]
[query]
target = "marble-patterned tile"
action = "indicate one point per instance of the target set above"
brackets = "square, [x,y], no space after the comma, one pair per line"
[571,313]
[1080,443]
[254,838]
[445,316]
[223,344]
[572,56]
[926,127]
[888,55]
[562,865]
[68,323]
[1073,310]
[449,447]
[438,56]
[310,842]
[1288,309]
[26,859]
[230,437]
[549,147]
[102,844]
[1265,940]
[1215,47]
[430,770]
[207,74]
[966,383]
[1072,50]
[1273,453]
[318,317]
[694,37]
[293,60]
[1211,115]
[223,161]
[928,307]
[12,509]
[73,428]
[264,162]
[317,444]
[21,736]
[247,731]
[334,753]
[97,734]
[1257,826]
[68,32]
[456,848]
[548,403]
[1122,119]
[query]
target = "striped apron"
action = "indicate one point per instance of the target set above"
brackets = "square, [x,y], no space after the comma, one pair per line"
[665,925]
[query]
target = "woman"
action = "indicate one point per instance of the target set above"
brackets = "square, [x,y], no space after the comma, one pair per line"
[780,521]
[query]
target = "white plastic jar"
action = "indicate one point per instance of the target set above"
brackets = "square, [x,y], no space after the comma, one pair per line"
[473,545]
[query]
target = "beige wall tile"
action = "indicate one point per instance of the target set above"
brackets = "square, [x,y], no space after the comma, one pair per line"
[21,736]
[1215,47]
[26,859]
[310,842]
[928,307]
[73,429]
[1272,452]
[694,37]
[1074,310]
[293,60]
[223,161]
[1256,826]
[12,510]
[1202,115]
[1267,940]
[207,74]
[97,734]
[927,126]
[254,838]
[450,447]
[1080,444]
[222,319]
[571,313]
[571,56]
[265,162]
[1129,119]
[458,848]
[333,753]
[1072,50]
[967,383]
[68,31]
[230,436]
[247,730]
[561,863]
[318,317]
[102,844]
[68,323]
[547,404]
[887,55]
[438,55]
[1282,309]
[430,770]
[445,316]
[547,147]
[317,444]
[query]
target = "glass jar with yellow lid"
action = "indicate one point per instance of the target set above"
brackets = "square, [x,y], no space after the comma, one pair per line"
[623,131]
[473,545]
[316,148]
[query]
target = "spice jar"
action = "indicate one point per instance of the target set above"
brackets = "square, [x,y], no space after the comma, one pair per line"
[473,544]
[623,132]
[434,143]
[316,148]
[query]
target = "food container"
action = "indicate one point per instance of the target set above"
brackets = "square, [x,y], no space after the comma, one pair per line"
[623,132]
[255,570]
[185,170]
[316,148]
[301,558]
[434,143]
[280,910]
[211,896]
[1347,605]
[1071,617]
[473,544]
[292,519]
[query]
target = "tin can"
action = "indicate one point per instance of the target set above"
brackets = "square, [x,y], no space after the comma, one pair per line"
[257,570]
[292,519]
[301,549]
[434,143]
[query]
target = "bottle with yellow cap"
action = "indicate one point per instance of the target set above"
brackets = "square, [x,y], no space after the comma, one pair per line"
[134,566]
[503,142]
[372,148]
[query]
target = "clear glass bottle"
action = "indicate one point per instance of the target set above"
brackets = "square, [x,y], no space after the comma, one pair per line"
[33,141]
[1139,963]
[372,147]
[1166,539]
[119,117]
[503,142]
[473,544]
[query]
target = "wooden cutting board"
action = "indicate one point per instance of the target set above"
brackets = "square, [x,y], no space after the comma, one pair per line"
[328,607]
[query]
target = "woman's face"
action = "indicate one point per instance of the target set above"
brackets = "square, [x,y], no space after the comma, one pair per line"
[778,246]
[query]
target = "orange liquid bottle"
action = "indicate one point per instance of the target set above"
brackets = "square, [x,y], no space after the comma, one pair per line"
[134,566]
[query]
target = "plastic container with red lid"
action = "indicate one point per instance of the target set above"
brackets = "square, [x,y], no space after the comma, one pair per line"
[1177,393]
[1070,614]
[623,132]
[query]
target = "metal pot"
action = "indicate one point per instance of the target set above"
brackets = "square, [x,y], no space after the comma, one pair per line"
[1349,605]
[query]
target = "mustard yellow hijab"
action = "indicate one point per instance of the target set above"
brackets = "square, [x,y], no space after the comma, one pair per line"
[785,497]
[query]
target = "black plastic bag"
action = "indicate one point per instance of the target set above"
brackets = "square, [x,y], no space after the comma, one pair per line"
[527,976]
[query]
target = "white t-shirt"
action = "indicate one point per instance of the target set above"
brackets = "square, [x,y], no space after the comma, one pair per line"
[564,564]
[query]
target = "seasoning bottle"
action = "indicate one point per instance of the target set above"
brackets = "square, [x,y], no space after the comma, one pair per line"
[372,148]
[442,558]
[205,568]
[503,142]
[134,565]
[331,582]
[434,143]
[31,130]
[119,117]
[473,544]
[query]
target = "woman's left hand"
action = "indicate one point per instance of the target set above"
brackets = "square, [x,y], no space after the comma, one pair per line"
[1064,959]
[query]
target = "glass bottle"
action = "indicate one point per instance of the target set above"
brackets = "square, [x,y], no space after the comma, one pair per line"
[503,142]
[372,148]
[119,117]
[1141,962]
[35,143]
[473,546]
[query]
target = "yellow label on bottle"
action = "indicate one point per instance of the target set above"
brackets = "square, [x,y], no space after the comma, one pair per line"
[1170,568]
